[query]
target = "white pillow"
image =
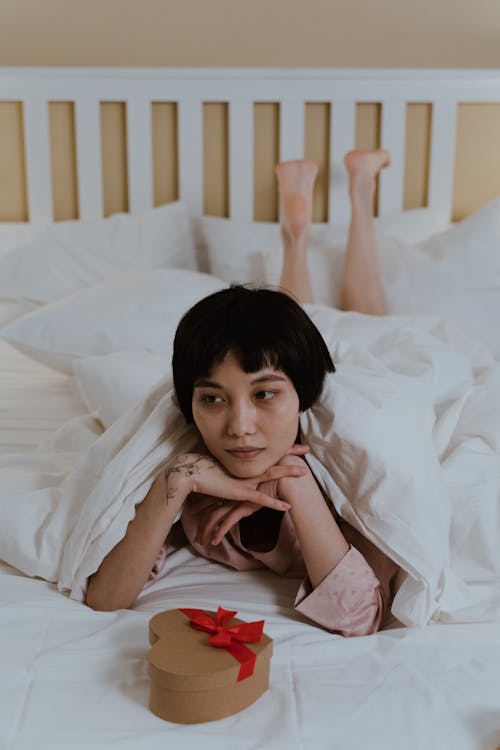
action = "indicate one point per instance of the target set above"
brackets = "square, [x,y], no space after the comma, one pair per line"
[15,233]
[454,275]
[111,384]
[252,251]
[135,311]
[69,255]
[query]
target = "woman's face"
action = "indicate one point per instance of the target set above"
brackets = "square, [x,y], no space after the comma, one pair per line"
[248,421]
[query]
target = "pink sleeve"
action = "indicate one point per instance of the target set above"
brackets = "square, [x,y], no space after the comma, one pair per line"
[348,601]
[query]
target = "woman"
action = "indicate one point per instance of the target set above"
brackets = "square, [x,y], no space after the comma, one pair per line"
[246,364]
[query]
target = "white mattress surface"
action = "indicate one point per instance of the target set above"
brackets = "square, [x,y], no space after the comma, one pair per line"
[74,678]
[34,401]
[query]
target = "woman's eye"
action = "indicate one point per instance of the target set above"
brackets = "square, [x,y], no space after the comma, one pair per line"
[265,395]
[210,398]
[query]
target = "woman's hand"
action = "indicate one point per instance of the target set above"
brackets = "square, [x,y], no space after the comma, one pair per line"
[285,487]
[217,516]
[202,474]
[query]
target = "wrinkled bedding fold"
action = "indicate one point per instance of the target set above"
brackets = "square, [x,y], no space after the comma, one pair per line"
[405,441]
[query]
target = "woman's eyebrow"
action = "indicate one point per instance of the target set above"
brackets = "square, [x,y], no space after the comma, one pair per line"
[266,377]
[204,383]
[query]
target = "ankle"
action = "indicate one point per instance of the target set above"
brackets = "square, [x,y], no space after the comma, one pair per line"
[295,212]
[295,243]
[362,186]
[362,197]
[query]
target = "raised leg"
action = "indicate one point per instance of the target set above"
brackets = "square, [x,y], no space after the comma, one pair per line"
[362,289]
[296,184]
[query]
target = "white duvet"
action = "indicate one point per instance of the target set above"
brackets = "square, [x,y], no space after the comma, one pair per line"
[405,440]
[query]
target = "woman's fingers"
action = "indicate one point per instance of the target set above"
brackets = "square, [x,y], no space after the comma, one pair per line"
[260,498]
[216,533]
[213,520]
[219,484]
[273,474]
[209,520]
[200,503]
[283,470]
[232,519]
[240,492]
[298,450]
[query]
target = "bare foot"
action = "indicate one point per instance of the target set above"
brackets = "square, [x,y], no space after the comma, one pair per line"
[364,166]
[295,185]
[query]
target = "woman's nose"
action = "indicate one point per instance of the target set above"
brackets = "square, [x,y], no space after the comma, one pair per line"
[241,420]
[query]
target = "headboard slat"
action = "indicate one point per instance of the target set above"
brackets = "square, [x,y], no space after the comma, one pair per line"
[38,162]
[89,158]
[393,137]
[292,129]
[342,140]
[442,155]
[241,153]
[242,88]
[139,154]
[190,129]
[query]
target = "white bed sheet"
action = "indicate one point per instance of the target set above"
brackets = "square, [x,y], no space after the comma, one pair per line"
[34,401]
[74,678]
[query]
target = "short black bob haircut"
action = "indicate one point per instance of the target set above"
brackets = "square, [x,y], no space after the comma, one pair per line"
[262,328]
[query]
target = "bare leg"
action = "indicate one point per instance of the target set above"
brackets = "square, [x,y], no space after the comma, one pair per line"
[362,289]
[296,183]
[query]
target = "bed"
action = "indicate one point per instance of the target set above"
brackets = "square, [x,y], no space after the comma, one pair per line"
[73,378]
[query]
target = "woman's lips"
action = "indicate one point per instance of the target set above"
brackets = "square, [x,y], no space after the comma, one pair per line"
[245,453]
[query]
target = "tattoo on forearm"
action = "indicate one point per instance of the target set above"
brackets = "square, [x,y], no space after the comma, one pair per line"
[188,468]
[170,494]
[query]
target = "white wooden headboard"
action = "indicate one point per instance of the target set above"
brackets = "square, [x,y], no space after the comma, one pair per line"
[240,88]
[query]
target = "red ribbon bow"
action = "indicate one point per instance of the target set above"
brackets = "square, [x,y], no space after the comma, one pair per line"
[232,639]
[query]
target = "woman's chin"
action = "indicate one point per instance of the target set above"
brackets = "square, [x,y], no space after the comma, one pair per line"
[245,469]
[248,475]
[245,472]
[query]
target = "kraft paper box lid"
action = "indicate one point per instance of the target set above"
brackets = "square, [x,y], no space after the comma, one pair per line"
[192,680]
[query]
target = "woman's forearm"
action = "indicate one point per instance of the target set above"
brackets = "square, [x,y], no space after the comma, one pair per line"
[126,568]
[321,542]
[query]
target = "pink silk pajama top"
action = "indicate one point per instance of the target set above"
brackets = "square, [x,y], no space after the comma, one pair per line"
[351,600]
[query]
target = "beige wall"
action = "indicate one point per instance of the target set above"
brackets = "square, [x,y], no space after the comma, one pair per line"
[354,33]
[288,33]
